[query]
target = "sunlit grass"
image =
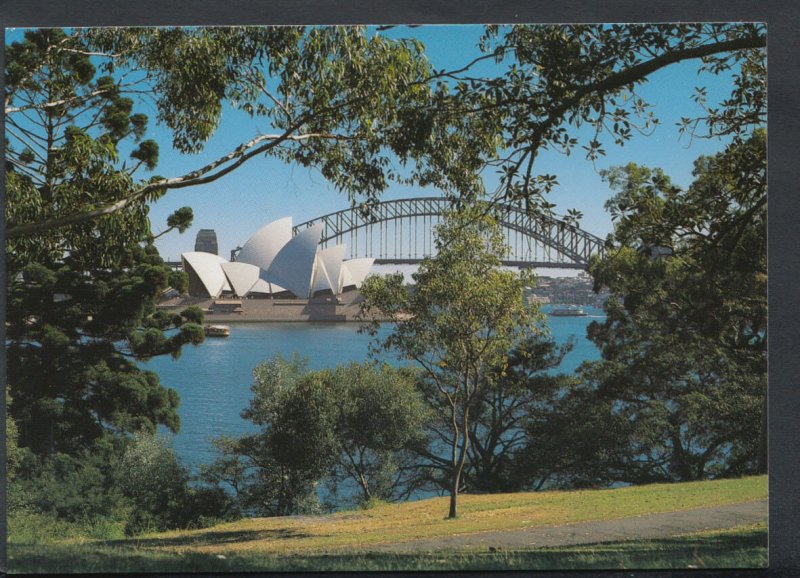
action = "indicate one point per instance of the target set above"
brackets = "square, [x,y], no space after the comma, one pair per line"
[342,541]
[744,547]
[391,523]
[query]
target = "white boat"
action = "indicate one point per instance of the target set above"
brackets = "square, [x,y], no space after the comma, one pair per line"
[217,330]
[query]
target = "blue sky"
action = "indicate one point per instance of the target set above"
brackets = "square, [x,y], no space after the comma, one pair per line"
[265,189]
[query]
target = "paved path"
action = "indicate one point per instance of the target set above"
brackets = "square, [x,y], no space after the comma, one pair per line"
[647,526]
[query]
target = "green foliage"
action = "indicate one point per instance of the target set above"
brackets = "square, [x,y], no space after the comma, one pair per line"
[150,475]
[380,415]
[43,530]
[70,159]
[458,323]
[346,101]
[181,219]
[147,154]
[683,376]
[336,98]
[279,478]
[332,425]
[13,451]
[558,79]
[81,300]
[372,503]
[73,334]
[117,487]
[502,435]
[74,488]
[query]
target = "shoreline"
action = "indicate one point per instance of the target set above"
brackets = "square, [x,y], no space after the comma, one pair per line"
[255,319]
[322,308]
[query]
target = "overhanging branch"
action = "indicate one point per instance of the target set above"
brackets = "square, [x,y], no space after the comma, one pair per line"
[638,72]
[209,173]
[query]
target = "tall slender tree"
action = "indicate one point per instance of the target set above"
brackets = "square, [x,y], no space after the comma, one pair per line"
[458,323]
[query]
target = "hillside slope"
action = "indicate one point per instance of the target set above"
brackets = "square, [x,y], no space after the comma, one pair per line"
[392,523]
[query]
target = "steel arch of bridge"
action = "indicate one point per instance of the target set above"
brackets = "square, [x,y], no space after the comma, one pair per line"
[535,241]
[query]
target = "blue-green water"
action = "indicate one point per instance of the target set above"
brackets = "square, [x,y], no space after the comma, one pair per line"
[213,379]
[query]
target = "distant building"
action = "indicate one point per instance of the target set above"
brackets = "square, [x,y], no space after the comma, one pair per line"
[206,241]
[542,300]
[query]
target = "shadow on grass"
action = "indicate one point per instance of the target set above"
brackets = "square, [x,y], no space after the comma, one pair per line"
[755,538]
[97,559]
[744,549]
[209,538]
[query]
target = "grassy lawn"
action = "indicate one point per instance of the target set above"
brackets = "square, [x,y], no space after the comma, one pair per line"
[336,542]
[744,547]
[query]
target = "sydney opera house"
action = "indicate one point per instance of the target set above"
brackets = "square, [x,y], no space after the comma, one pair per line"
[273,263]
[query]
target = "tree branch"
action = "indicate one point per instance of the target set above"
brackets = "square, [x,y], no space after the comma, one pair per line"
[206,174]
[639,71]
[55,103]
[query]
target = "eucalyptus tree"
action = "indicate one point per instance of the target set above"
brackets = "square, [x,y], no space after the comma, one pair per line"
[358,107]
[568,88]
[340,99]
[458,323]
[526,392]
[379,420]
[562,81]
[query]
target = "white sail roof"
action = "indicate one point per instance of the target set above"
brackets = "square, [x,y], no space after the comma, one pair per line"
[328,269]
[293,266]
[207,268]
[266,243]
[242,276]
[355,271]
[262,286]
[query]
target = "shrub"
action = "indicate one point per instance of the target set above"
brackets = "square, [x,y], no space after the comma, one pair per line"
[152,477]
[71,488]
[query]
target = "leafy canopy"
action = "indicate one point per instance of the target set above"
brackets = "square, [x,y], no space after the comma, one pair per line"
[683,374]
[348,102]
[356,106]
[569,88]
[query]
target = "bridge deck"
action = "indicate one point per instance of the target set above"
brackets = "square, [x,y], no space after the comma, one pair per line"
[506,263]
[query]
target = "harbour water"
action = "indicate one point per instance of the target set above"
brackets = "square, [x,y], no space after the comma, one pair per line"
[214,378]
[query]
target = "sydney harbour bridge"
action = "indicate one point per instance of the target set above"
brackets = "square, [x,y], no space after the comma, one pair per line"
[402,232]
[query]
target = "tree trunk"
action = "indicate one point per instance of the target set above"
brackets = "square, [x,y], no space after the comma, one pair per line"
[364,486]
[454,494]
[459,466]
[680,461]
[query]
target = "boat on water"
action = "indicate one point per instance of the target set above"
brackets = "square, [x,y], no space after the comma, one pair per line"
[571,311]
[217,330]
